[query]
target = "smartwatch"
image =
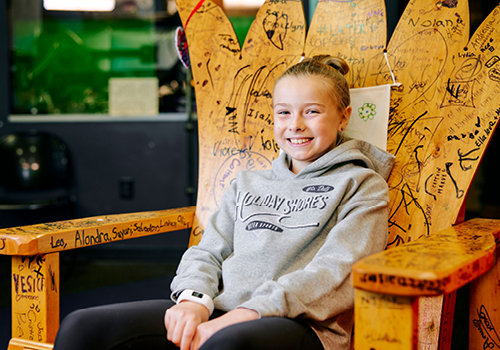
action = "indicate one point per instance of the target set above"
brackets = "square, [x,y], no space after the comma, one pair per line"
[197,297]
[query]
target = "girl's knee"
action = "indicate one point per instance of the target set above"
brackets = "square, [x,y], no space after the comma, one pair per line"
[227,341]
[74,321]
[270,333]
[77,329]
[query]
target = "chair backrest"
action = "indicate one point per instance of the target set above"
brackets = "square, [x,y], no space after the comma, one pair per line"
[442,115]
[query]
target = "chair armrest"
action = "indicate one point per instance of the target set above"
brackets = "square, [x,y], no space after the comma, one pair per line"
[432,265]
[65,235]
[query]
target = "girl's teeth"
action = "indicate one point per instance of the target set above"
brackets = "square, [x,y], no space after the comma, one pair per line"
[298,141]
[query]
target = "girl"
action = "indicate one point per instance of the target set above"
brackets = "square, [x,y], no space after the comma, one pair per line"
[275,259]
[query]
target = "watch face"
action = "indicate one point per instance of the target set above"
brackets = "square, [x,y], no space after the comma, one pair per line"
[198,295]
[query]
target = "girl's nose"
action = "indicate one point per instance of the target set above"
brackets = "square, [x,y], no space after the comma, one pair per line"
[296,124]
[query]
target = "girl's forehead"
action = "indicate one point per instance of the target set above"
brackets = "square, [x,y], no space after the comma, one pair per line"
[308,84]
[316,79]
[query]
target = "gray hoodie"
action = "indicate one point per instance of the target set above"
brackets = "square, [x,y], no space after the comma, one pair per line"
[284,244]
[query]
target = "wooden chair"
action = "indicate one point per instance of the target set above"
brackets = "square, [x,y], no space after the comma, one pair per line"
[442,117]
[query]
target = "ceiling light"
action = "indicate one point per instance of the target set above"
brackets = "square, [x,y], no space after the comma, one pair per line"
[79,5]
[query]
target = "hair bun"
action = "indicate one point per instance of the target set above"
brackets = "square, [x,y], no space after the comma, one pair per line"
[336,63]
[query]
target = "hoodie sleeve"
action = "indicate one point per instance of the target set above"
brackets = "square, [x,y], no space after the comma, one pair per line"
[323,288]
[200,266]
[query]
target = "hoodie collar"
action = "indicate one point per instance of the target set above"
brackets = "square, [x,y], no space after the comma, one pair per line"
[350,151]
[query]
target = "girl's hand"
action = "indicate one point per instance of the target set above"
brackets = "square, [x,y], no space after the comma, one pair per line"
[207,329]
[181,321]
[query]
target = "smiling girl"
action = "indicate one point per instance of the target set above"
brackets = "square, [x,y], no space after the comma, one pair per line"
[272,270]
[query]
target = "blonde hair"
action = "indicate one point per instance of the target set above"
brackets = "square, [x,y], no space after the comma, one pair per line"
[331,69]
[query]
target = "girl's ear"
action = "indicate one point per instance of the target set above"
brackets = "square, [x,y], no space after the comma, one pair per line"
[344,119]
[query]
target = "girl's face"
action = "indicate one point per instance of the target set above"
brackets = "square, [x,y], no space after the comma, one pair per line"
[306,119]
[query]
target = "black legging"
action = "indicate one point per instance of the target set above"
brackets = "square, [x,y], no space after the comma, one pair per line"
[139,325]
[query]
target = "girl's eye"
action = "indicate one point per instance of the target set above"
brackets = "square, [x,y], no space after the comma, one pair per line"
[312,111]
[282,112]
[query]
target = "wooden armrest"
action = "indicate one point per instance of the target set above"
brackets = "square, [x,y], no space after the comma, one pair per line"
[64,235]
[432,265]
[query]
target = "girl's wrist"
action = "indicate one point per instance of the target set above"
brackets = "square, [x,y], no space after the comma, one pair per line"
[248,314]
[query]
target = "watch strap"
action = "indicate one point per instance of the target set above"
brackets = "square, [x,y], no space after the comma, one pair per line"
[197,297]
